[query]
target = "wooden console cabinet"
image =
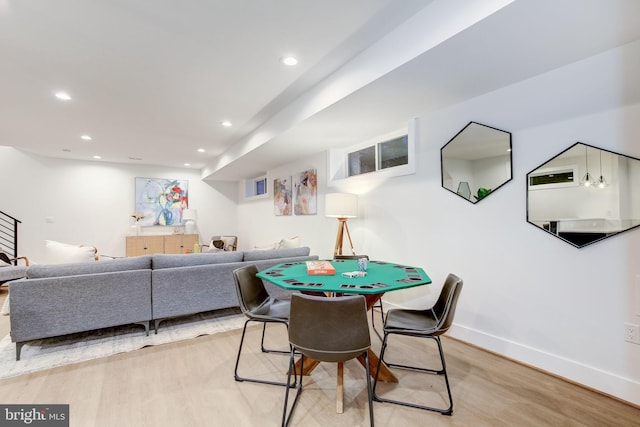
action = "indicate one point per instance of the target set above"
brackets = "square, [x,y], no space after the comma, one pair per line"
[169,244]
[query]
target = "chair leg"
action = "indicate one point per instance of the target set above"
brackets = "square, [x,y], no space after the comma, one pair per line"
[375,379]
[266,350]
[369,388]
[373,321]
[443,371]
[286,417]
[241,379]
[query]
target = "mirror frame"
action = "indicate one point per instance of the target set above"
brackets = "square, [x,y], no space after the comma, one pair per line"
[491,191]
[551,230]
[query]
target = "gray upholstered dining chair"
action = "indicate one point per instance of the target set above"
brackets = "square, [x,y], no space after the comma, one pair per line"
[327,330]
[429,323]
[256,303]
[377,305]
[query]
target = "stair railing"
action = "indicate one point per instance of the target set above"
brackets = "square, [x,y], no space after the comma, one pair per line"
[9,233]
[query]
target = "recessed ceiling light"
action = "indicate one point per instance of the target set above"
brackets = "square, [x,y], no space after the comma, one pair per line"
[63,96]
[226,123]
[290,61]
[86,138]
[187,164]
[97,157]
[201,150]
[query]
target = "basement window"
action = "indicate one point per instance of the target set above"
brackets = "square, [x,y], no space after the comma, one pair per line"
[553,178]
[383,155]
[362,161]
[389,155]
[394,152]
[256,188]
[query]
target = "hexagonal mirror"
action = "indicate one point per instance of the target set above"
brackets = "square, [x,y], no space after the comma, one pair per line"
[476,162]
[584,194]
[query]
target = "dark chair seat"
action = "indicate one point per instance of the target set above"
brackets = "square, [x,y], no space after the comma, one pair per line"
[404,321]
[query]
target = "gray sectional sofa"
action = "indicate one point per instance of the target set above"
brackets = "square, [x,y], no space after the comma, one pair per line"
[55,300]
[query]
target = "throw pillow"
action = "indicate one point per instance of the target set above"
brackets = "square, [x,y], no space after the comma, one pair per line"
[217,244]
[62,253]
[266,247]
[293,242]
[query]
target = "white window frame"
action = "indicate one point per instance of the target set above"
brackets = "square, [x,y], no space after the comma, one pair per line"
[554,169]
[250,188]
[338,158]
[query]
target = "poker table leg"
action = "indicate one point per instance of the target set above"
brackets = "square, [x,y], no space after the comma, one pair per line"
[385,374]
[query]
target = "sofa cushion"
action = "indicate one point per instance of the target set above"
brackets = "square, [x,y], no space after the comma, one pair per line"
[273,245]
[293,242]
[276,253]
[121,264]
[184,260]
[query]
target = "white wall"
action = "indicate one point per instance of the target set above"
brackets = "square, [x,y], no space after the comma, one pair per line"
[527,295]
[259,226]
[90,203]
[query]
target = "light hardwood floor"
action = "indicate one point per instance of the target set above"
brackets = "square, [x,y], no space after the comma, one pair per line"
[191,384]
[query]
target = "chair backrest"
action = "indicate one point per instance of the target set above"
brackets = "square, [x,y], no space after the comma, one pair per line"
[329,329]
[250,289]
[445,307]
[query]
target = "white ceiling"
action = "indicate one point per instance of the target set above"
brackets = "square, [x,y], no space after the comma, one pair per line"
[151,80]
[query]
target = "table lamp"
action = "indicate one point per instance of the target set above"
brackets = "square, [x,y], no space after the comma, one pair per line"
[342,206]
[189,217]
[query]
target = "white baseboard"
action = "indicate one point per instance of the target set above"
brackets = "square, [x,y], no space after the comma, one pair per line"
[572,370]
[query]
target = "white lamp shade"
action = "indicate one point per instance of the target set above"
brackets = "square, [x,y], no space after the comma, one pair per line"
[341,205]
[188,214]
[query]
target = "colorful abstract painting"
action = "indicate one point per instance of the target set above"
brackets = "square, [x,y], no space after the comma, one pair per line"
[282,196]
[161,201]
[306,193]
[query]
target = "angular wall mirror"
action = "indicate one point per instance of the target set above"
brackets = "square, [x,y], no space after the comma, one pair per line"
[476,161]
[585,194]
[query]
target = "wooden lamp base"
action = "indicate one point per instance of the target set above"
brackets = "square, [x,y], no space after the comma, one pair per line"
[342,227]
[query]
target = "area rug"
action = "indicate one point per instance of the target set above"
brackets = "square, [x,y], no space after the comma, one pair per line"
[53,352]
[5,307]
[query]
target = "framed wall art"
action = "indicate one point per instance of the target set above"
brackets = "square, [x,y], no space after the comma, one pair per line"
[305,194]
[161,201]
[282,196]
